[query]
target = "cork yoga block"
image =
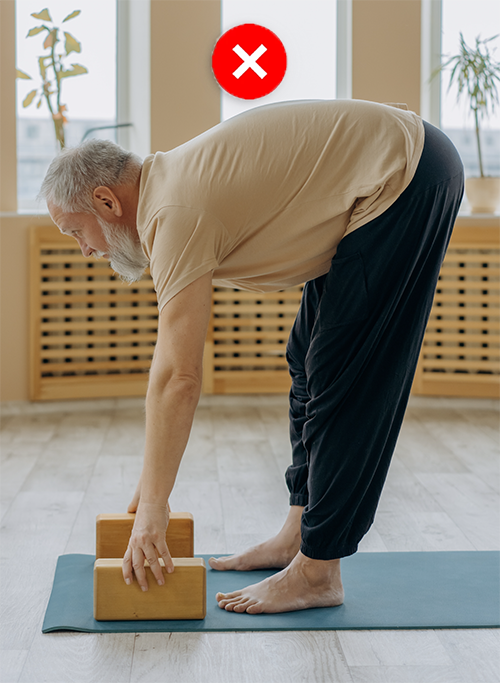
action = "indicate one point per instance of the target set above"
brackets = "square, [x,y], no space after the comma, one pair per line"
[113,534]
[183,596]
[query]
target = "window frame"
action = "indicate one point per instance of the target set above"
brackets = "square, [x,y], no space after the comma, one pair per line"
[430,60]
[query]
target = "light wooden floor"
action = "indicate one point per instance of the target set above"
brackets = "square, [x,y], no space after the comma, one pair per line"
[61,467]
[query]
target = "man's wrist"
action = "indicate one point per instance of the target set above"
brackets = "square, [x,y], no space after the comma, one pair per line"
[153,505]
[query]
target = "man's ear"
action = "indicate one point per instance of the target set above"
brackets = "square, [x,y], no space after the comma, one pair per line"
[107,203]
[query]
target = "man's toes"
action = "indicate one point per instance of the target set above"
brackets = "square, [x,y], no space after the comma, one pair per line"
[231,605]
[217,563]
[243,605]
[254,608]
[227,596]
[225,600]
[225,563]
[234,604]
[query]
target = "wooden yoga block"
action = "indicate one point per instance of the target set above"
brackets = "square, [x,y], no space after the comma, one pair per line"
[183,596]
[113,534]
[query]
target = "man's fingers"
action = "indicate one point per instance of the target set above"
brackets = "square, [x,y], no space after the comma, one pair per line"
[156,568]
[127,572]
[166,557]
[133,563]
[139,570]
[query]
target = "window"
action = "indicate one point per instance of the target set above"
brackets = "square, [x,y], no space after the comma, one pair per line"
[90,99]
[477,18]
[307,29]
[32,132]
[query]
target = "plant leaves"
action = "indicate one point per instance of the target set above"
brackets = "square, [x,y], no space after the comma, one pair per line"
[71,45]
[35,31]
[43,15]
[476,75]
[77,70]
[49,40]
[41,65]
[29,98]
[39,103]
[72,15]
[21,74]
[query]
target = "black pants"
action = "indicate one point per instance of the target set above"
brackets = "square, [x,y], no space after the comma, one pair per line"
[353,351]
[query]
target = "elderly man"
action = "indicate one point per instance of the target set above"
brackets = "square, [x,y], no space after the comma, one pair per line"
[354,198]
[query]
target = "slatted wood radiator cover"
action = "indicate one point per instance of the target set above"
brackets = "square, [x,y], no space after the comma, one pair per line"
[461,354]
[93,336]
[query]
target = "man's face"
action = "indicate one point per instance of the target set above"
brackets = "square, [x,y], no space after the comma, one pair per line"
[98,238]
[84,228]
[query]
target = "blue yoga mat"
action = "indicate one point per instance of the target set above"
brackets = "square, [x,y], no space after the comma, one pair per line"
[383,591]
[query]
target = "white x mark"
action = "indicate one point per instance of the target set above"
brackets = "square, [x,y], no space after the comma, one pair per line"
[249,61]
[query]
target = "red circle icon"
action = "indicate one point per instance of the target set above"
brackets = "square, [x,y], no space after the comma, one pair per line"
[249,61]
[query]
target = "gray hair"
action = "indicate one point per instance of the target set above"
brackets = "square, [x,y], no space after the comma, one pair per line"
[76,171]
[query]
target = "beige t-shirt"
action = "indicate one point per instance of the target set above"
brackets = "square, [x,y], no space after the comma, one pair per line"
[264,198]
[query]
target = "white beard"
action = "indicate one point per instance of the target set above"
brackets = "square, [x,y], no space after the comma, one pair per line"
[126,256]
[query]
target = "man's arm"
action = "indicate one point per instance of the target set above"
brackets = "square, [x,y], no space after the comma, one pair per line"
[173,393]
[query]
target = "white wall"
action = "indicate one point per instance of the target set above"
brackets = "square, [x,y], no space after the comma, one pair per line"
[307,29]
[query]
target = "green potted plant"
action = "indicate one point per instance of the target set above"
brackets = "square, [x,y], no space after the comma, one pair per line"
[477,75]
[53,69]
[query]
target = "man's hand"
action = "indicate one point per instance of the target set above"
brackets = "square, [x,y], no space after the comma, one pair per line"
[147,542]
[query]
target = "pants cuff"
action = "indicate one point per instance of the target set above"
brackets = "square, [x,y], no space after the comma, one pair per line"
[299,499]
[326,553]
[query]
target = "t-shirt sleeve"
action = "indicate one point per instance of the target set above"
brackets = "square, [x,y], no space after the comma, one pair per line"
[182,244]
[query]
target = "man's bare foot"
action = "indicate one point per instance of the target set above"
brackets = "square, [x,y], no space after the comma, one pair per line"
[276,553]
[305,583]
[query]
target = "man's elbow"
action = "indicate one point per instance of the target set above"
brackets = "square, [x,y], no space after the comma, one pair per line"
[184,384]
[189,383]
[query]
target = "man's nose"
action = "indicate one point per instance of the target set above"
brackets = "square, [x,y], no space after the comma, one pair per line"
[86,250]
